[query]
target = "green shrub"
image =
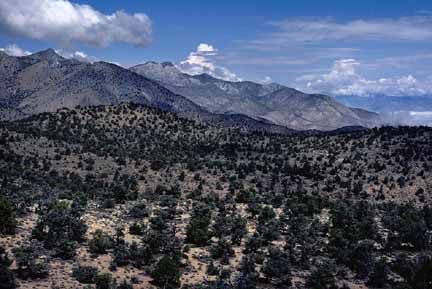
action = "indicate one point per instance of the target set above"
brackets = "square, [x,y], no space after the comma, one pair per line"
[100,243]
[7,216]
[85,274]
[105,281]
[166,274]
[30,263]
[7,278]
[136,229]
[60,227]
[322,278]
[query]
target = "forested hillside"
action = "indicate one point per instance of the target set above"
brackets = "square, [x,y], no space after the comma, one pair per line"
[130,196]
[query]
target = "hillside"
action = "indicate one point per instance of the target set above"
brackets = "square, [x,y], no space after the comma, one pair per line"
[149,198]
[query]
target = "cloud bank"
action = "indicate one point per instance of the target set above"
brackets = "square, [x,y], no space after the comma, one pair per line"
[66,23]
[413,28]
[343,79]
[203,61]
[15,50]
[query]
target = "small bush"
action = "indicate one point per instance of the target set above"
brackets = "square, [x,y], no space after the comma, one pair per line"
[105,281]
[30,264]
[85,274]
[100,243]
[136,229]
[7,216]
[166,273]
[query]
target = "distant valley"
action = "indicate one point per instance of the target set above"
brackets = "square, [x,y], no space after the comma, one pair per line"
[412,110]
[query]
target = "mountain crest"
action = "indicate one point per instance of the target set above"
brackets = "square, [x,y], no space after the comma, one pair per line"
[273,102]
[48,55]
[47,88]
[167,64]
[162,71]
[206,77]
[164,64]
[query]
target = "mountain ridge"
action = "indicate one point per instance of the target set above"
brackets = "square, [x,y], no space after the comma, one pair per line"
[273,102]
[45,82]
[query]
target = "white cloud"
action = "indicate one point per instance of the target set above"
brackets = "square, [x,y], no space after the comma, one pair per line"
[202,61]
[406,28]
[78,55]
[343,79]
[294,31]
[421,113]
[266,60]
[402,61]
[15,50]
[409,117]
[266,80]
[206,48]
[82,56]
[66,22]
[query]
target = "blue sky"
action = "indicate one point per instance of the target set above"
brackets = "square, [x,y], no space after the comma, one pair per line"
[336,47]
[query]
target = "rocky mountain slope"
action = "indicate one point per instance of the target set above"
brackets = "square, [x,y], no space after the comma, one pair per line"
[45,81]
[273,102]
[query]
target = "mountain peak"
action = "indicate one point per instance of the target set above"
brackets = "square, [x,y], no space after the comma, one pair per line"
[167,64]
[151,62]
[48,54]
[166,72]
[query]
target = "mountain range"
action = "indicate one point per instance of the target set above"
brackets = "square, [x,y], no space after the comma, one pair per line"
[395,110]
[388,103]
[273,102]
[45,82]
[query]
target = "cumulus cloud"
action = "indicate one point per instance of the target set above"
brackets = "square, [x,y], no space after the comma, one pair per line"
[66,22]
[15,50]
[206,48]
[343,79]
[203,61]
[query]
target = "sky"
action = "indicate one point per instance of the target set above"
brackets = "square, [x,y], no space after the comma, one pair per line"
[336,47]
